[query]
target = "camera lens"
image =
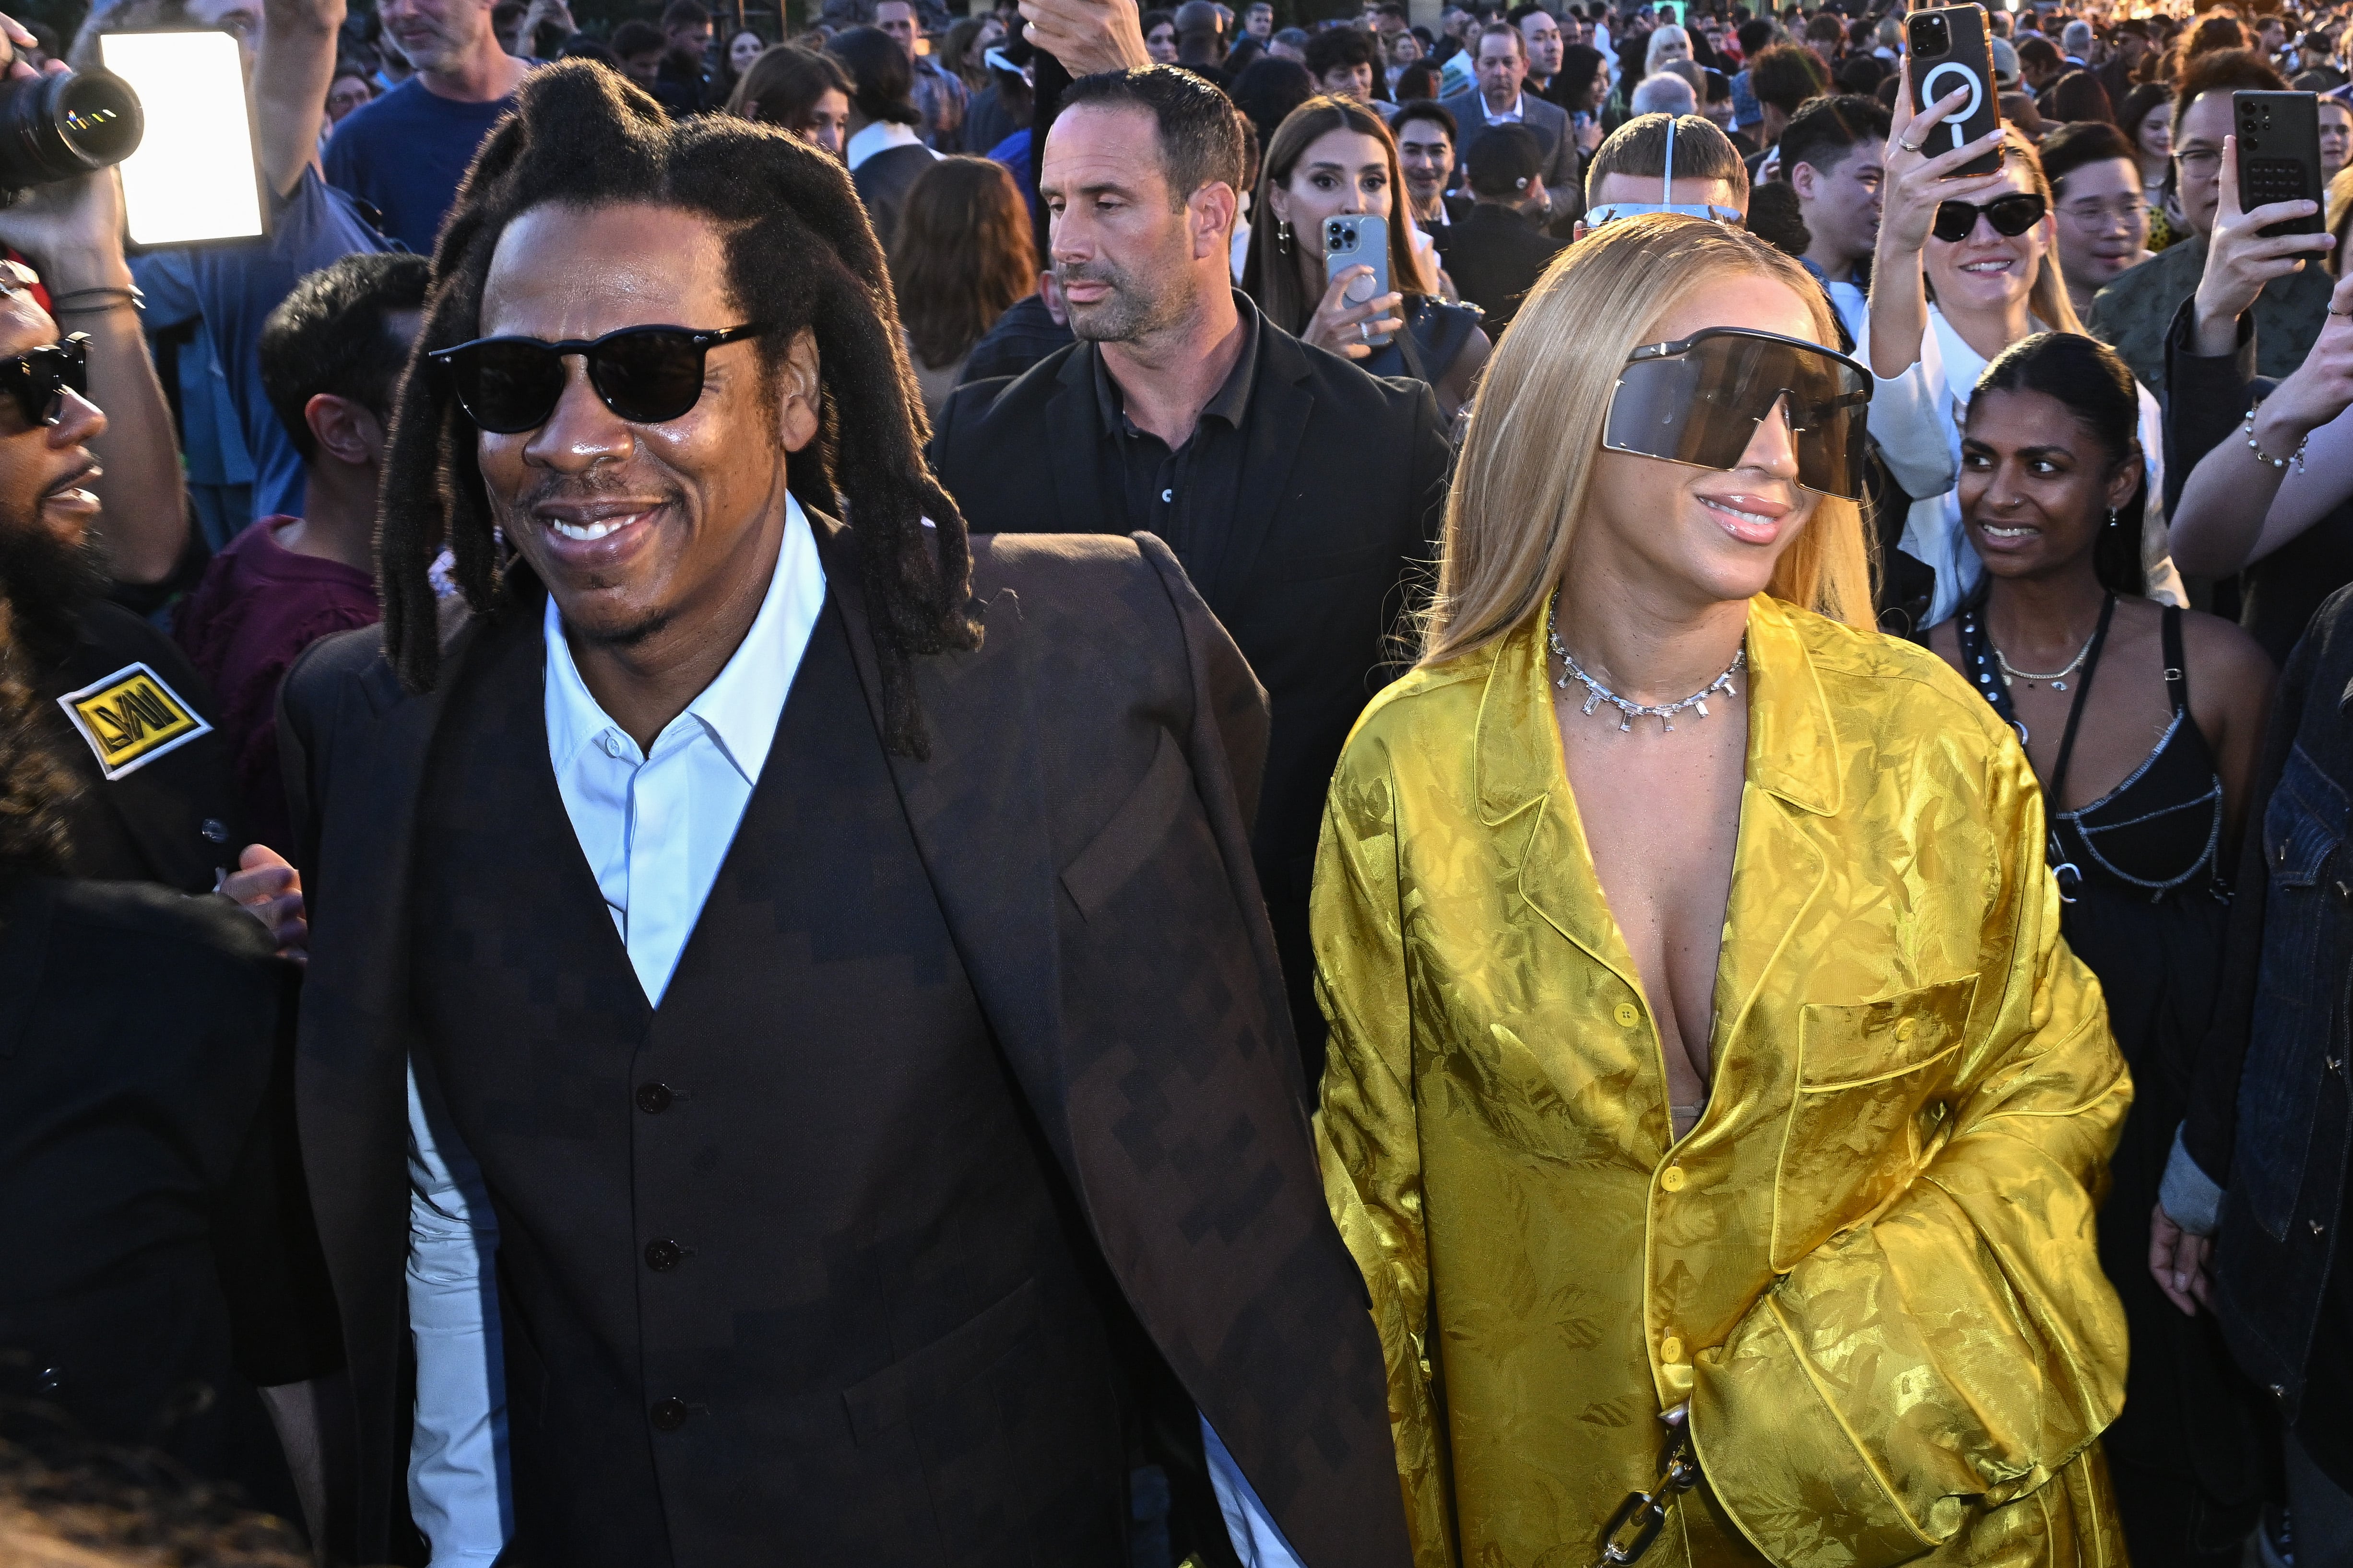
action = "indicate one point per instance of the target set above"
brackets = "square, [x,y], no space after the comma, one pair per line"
[1930,36]
[55,126]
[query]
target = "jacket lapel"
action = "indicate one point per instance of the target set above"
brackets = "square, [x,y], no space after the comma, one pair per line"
[1279,409]
[1074,441]
[1795,774]
[968,806]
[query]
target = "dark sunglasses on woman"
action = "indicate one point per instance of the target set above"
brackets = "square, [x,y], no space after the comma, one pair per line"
[647,375]
[2012,214]
[38,378]
[1700,399]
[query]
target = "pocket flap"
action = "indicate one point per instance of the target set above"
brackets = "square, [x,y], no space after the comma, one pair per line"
[2304,824]
[940,1368]
[1843,1046]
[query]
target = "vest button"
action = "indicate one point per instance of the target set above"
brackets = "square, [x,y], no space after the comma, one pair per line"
[653,1099]
[661,1257]
[668,1414]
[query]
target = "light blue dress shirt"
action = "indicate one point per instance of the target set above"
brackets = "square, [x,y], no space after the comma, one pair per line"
[654,827]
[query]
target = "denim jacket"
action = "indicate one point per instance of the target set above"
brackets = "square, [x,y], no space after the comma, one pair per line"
[2269,1103]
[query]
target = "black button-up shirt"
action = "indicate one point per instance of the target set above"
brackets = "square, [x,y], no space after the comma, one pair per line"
[1186,496]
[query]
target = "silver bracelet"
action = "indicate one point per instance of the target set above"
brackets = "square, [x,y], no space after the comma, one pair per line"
[2295,457]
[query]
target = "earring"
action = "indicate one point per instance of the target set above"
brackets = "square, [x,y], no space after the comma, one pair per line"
[1282,237]
[2111,517]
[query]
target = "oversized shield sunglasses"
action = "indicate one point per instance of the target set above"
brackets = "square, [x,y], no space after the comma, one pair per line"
[1700,399]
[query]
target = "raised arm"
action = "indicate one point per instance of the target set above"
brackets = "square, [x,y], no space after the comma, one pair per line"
[2237,506]
[291,73]
[1914,185]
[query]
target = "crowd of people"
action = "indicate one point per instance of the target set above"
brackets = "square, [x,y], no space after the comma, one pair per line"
[1084,785]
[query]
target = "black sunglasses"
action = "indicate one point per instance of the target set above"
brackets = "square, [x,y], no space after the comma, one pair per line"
[2012,214]
[37,377]
[647,375]
[1699,400]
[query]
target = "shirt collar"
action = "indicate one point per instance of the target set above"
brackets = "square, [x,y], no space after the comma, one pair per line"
[740,707]
[1508,115]
[879,137]
[1230,402]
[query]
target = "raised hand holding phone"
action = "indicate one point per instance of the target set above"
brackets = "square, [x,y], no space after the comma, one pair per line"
[2240,259]
[1915,182]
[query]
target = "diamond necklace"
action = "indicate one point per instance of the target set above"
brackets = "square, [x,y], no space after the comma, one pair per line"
[1596,693]
[2058,678]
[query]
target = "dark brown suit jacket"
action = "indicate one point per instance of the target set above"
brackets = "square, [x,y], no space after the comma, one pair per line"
[1084,818]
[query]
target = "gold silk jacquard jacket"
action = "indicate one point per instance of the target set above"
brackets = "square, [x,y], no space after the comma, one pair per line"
[1869,1266]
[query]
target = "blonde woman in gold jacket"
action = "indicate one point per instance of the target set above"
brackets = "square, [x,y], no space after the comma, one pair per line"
[1732,1073]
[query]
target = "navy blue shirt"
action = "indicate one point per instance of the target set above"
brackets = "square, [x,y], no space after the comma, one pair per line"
[233,287]
[405,153]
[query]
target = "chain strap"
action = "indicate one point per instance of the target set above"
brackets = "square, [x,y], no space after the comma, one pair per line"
[1636,1524]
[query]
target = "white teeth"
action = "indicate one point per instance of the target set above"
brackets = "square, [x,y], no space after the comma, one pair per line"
[1736,511]
[1997,531]
[588,530]
[1987,266]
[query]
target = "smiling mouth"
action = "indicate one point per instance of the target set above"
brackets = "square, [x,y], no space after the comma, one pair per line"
[596,528]
[1984,268]
[2007,531]
[72,484]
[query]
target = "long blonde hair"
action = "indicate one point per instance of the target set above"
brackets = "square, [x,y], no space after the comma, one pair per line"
[1536,425]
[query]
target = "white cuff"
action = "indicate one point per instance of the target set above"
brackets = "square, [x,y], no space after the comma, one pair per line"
[2188,1194]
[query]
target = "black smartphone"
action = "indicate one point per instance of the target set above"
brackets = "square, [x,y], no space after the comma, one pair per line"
[2279,154]
[1949,52]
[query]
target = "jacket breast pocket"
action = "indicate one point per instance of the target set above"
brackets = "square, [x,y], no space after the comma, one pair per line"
[2307,933]
[1866,1073]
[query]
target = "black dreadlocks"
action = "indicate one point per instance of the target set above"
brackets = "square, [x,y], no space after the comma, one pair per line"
[801,254]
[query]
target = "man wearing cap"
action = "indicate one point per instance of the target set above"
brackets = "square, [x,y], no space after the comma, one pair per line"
[2127,47]
[1497,251]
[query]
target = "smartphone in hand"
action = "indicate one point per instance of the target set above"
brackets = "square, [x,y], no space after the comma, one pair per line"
[2279,155]
[1949,52]
[1353,240]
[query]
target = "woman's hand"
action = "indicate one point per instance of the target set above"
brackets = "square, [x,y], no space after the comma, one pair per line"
[1915,182]
[2177,1259]
[1343,328]
[2239,261]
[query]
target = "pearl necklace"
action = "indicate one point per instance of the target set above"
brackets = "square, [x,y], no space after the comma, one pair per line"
[1596,693]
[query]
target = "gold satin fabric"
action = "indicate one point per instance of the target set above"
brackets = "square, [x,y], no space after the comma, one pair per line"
[1870,1267]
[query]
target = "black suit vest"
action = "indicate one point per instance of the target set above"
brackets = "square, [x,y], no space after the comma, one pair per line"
[788,1276]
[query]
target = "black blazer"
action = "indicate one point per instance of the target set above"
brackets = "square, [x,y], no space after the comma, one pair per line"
[1342,494]
[162,1260]
[1084,818]
[882,182]
[1495,254]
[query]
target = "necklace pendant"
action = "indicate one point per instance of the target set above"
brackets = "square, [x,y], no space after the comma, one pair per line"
[1625,723]
[2057,686]
[1701,706]
[1592,701]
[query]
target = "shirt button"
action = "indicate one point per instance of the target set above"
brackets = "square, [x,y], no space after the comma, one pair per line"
[1671,1350]
[1671,1178]
[653,1099]
[612,745]
[668,1414]
[1905,1028]
[1627,1014]
[661,1257]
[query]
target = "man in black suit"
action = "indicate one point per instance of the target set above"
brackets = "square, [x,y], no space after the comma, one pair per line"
[824,962]
[1496,253]
[1500,57]
[1300,494]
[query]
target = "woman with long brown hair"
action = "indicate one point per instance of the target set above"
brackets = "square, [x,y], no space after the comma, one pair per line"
[963,255]
[1712,1106]
[1332,156]
[805,93]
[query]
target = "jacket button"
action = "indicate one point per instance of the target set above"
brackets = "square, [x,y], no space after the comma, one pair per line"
[1671,1178]
[1627,1014]
[668,1414]
[2316,1226]
[1906,1028]
[49,1379]
[1671,1350]
[661,1257]
[653,1099]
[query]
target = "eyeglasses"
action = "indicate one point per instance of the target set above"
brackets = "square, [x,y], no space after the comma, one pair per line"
[2122,210]
[1699,401]
[38,377]
[2012,214]
[647,375]
[2200,163]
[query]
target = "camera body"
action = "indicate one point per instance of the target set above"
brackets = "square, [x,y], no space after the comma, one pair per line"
[56,126]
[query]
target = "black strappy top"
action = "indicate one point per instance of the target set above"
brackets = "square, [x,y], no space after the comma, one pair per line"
[2156,834]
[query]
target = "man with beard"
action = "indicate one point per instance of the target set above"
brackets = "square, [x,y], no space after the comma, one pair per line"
[1299,493]
[822,1068]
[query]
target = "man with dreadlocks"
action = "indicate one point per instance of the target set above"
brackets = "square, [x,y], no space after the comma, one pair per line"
[858,1037]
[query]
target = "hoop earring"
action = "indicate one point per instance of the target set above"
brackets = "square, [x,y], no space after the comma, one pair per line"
[1282,237]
